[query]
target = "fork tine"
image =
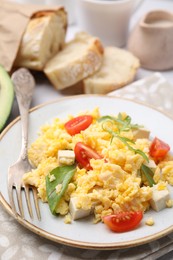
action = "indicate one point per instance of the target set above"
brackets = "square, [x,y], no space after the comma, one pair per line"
[34,190]
[19,200]
[11,198]
[36,203]
[28,202]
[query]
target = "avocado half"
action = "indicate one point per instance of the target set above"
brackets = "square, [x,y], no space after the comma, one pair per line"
[6,96]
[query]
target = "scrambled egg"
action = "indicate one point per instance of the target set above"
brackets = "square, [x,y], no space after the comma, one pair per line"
[149,221]
[113,184]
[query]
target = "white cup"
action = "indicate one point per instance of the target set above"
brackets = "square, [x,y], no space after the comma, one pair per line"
[106,19]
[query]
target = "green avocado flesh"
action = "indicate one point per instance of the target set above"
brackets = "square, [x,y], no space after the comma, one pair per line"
[6,96]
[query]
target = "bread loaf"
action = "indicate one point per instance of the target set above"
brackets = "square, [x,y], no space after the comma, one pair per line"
[43,38]
[80,58]
[118,69]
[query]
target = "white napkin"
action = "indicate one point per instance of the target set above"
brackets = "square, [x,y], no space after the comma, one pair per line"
[153,90]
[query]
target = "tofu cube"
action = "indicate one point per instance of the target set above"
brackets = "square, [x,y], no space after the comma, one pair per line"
[141,133]
[151,164]
[75,212]
[66,157]
[159,198]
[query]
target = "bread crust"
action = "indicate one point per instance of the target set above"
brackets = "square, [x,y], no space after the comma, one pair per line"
[119,69]
[43,38]
[80,58]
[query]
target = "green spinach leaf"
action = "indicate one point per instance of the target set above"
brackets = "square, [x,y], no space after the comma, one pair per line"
[61,175]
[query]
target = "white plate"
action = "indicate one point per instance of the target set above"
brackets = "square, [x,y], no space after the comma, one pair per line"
[83,233]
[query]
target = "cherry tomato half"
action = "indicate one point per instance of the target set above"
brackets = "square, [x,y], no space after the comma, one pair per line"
[83,154]
[77,124]
[158,149]
[123,221]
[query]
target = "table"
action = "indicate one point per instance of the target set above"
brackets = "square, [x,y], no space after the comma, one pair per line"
[18,243]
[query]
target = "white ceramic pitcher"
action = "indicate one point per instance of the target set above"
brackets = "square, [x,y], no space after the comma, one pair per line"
[106,19]
[151,40]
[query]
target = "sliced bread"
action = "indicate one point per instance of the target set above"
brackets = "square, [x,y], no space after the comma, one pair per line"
[119,68]
[80,58]
[43,38]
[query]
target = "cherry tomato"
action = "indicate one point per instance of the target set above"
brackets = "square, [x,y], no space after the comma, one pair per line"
[84,153]
[158,149]
[123,221]
[77,124]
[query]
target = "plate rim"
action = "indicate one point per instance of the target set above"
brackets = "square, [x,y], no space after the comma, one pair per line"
[68,241]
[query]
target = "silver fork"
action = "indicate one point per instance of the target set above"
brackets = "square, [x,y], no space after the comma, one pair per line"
[24,84]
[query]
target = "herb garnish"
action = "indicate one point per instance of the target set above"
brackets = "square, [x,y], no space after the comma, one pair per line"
[63,175]
[148,173]
[123,125]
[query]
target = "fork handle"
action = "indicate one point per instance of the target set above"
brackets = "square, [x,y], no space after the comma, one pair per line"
[24,84]
[24,110]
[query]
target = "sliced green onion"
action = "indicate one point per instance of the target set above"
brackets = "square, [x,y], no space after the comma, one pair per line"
[148,173]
